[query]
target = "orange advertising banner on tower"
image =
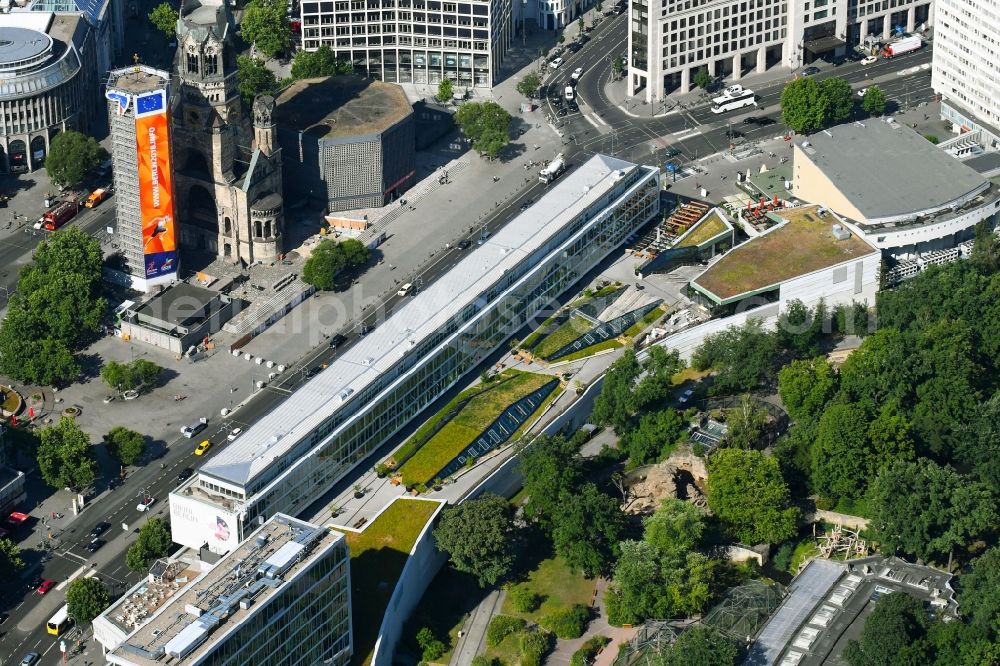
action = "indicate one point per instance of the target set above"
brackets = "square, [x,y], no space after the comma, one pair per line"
[156,196]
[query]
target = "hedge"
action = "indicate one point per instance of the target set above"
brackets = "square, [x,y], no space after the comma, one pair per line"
[502,626]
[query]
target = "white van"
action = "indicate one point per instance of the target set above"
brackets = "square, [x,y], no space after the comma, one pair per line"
[569,93]
[405,289]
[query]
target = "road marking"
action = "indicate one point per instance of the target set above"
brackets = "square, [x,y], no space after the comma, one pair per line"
[591,121]
[684,134]
[75,574]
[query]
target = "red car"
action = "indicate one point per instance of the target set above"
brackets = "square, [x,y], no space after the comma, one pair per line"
[46,586]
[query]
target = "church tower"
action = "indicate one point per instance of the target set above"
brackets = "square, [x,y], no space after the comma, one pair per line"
[263,124]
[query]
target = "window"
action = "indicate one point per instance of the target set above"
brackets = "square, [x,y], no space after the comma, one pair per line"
[211,65]
[192,63]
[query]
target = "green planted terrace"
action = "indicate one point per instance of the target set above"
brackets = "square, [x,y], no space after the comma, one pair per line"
[462,429]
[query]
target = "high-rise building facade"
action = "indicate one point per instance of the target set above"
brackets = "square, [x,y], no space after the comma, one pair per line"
[414,41]
[966,71]
[294,454]
[670,40]
[283,598]
[139,119]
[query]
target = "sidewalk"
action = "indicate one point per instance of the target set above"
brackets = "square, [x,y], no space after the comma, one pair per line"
[599,626]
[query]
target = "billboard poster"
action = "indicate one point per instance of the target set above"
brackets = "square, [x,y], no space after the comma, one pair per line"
[156,196]
[197,525]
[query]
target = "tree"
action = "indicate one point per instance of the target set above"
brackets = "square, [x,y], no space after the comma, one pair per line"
[874,101]
[799,329]
[879,370]
[657,381]
[319,63]
[528,85]
[747,424]
[748,494]
[478,536]
[674,529]
[897,622]
[618,66]
[561,38]
[654,437]
[486,125]
[928,510]
[124,445]
[57,305]
[985,249]
[164,18]
[11,562]
[842,463]
[153,542]
[840,97]
[65,458]
[265,25]
[579,25]
[742,357]
[979,593]
[330,258]
[431,646]
[804,107]
[137,374]
[254,78]
[806,386]
[702,79]
[551,469]
[71,156]
[86,598]
[587,528]
[446,90]
[701,645]
[615,404]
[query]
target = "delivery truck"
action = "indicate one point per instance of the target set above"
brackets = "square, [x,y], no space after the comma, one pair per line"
[904,45]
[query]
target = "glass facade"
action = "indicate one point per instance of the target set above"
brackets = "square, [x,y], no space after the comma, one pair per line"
[438,362]
[305,624]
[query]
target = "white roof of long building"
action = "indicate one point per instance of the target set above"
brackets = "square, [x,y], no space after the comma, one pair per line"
[357,367]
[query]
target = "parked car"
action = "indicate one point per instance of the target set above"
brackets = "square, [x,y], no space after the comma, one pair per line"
[686,396]
[869,60]
[751,120]
[202,448]
[185,474]
[556,63]
[809,71]
[46,585]
[862,91]
[464,244]
[99,529]
[145,504]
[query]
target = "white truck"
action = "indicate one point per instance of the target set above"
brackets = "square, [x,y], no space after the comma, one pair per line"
[553,170]
[904,45]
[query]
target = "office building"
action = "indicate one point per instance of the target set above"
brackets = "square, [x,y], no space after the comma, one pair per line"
[375,387]
[47,84]
[283,598]
[346,141]
[414,41]
[138,115]
[965,68]
[228,170]
[670,40]
[904,194]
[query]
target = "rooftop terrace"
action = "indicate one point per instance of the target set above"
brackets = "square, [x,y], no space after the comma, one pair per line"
[340,106]
[801,243]
[182,615]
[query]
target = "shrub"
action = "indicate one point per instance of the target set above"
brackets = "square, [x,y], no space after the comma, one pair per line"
[588,651]
[567,622]
[534,645]
[524,599]
[482,660]
[783,557]
[501,627]
[432,648]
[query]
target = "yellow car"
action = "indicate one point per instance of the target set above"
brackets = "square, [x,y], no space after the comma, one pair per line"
[204,446]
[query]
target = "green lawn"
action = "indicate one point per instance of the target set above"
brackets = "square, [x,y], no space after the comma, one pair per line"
[446,604]
[641,325]
[571,329]
[378,555]
[559,587]
[613,343]
[509,650]
[707,229]
[413,443]
[463,429]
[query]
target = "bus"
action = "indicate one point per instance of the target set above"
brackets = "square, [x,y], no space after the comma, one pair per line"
[60,215]
[731,102]
[59,622]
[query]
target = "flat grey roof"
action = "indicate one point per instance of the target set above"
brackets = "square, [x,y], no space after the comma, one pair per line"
[888,170]
[19,44]
[421,316]
[178,303]
[985,163]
